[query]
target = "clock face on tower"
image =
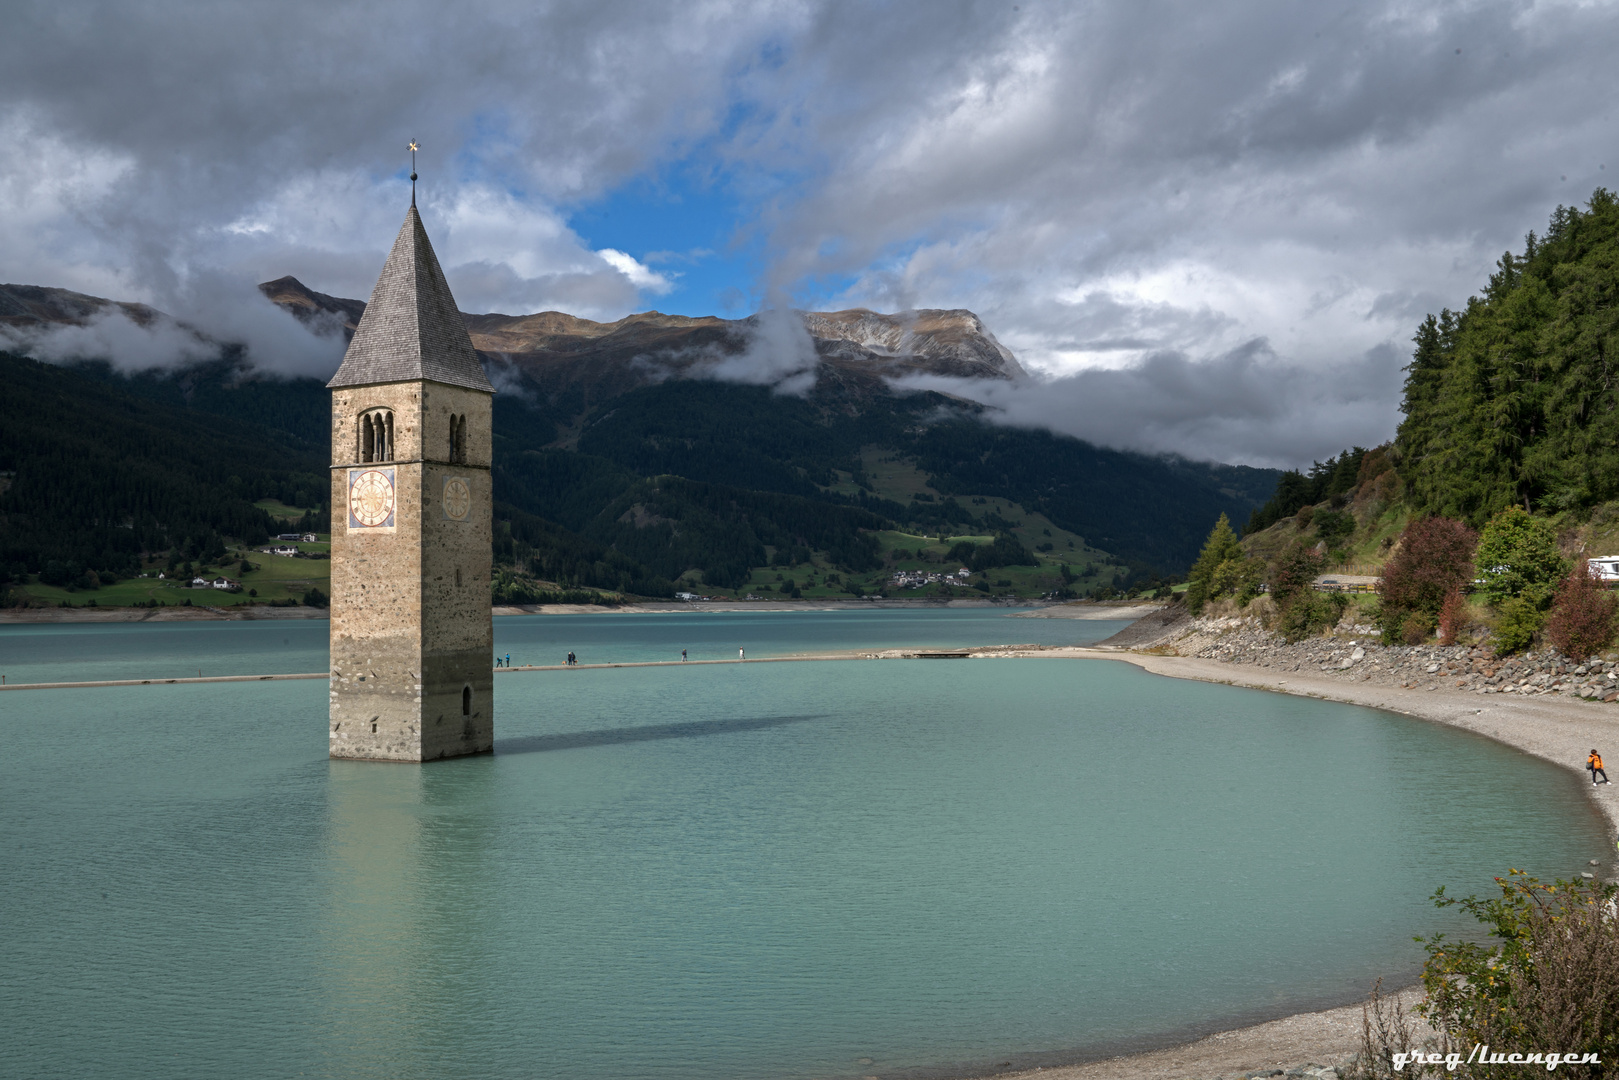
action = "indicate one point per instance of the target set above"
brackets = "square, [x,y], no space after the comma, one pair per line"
[457,498]
[371,499]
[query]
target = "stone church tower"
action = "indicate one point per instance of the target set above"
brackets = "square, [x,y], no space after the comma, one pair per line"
[412,638]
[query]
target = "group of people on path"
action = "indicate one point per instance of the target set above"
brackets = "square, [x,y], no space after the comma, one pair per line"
[572,660]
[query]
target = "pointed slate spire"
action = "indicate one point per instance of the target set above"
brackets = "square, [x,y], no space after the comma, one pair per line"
[411,329]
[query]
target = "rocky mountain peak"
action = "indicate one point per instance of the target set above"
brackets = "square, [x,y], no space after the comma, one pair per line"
[954,339]
[857,342]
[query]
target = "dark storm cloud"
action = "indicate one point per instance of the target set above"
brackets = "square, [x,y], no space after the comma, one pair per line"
[1141,188]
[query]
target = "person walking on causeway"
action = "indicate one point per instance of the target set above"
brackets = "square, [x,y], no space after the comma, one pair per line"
[1594,763]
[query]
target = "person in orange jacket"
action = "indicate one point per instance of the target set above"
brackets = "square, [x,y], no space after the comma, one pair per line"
[1594,763]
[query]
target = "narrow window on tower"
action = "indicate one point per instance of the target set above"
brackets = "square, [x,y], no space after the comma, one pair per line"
[390,425]
[461,438]
[466,701]
[458,577]
[368,439]
[452,456]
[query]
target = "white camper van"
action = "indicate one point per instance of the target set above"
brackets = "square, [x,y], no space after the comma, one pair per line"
[1606,568]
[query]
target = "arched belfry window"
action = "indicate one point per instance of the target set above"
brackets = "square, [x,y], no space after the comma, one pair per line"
[377,436]
[458,438]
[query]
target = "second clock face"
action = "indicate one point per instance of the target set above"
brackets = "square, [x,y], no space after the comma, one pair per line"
[457,499]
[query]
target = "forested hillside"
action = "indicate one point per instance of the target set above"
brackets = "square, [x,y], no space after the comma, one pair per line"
[1513,400]
[92,476]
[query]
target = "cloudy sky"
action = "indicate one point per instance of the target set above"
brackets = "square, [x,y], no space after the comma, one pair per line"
[1209,228]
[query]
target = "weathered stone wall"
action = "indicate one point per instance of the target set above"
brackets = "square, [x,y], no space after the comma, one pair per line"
[411,624]
[458,637]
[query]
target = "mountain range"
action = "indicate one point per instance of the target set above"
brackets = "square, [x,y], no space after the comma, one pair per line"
[644,454]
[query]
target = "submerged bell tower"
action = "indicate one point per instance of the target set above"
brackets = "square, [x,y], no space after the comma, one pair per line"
[412,636]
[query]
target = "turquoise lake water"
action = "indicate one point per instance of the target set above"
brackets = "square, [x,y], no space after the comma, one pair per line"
[778,870]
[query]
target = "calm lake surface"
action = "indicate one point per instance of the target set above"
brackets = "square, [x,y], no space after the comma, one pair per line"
[772,870]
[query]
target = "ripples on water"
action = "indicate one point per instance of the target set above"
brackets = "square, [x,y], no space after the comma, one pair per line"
[739,871]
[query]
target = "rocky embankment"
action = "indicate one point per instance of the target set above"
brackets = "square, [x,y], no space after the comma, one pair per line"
[1357,656]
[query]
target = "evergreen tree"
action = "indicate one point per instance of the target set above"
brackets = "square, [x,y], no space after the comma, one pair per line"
[1219,550]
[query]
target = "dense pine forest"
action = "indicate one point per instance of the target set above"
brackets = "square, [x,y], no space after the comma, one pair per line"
[1512,400]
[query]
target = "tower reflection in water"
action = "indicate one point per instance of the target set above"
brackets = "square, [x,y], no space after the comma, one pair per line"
[407,927]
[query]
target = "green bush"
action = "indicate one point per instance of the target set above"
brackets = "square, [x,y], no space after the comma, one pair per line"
[1309,612]
[1518,557]
[1549,981]
[1520,621]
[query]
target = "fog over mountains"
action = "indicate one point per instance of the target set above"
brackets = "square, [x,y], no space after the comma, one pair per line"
[554,348]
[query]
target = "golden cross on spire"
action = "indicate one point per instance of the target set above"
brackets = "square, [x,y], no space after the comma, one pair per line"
[413,172]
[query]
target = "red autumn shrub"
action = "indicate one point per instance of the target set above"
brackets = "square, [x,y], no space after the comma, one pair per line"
[1582,618]
[1435,559]
[1453,617]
